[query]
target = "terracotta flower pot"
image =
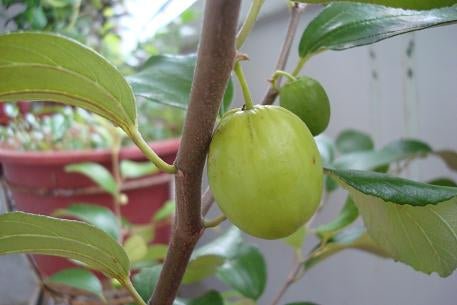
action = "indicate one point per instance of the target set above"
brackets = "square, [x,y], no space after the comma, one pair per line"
[39,184]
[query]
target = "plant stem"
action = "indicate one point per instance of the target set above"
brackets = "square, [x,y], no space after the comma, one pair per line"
[244,86]
[132,291]
[254,10]
[296,273]
[149,153]
[300,65]
[215,60]
[214,222]
[291,278]
[295,13]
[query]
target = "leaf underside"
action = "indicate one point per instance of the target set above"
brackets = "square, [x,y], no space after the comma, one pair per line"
[415,222]
[62,70]
[27,233]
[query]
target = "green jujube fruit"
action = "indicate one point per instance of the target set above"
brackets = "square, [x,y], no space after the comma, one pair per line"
[265,171]
[307,99]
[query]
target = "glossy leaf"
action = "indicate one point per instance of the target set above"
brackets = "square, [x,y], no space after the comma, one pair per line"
[351,238]
[210,298]
[101,217]
[296,239]
[352,140]
[167,79]
[131,169]
[415,222]
[97,173]
[165,211]
[146,280]
[206,259]
[202,267]
[246,272]
[62,70]
[348,214]
[395,151]
[346,25]
[80,279]
[326,148]
[27,233]
[405,4]
[225,245]
[136,248]
[443,182]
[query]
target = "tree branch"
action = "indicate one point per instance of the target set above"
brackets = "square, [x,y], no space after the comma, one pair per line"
[214,64]
[296,11]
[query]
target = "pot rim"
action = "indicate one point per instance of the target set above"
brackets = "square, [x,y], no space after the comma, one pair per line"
[161,147]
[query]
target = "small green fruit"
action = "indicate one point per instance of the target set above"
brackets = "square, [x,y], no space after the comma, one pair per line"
[265,171]
[307,99]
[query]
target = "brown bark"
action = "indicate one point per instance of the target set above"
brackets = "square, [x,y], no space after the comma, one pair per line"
[214,65]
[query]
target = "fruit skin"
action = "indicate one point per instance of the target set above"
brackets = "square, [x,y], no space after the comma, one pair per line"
[265,171]
[307,99]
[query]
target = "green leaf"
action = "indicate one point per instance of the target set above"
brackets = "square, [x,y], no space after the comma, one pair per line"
[146,280]
[443,182]
[352,140]
[348,214]
[78,278]
[157,252]
[62,70]
[101,217]
[27,233]
[296,239]
[346,25]
[131,169]
[415,222]
[154,253]
[405,4]
[326,148]
[136,248]
[165,211]
[210,298]
[224,246]
[167,79]
[97,173]
[246,272]
[351,238]
[395,151]
[206,259]
[202,267]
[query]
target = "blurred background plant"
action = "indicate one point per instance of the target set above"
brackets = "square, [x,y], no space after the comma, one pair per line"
[101,25]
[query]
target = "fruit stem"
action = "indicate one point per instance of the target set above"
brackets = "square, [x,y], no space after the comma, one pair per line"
[244,86]
[278,75]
